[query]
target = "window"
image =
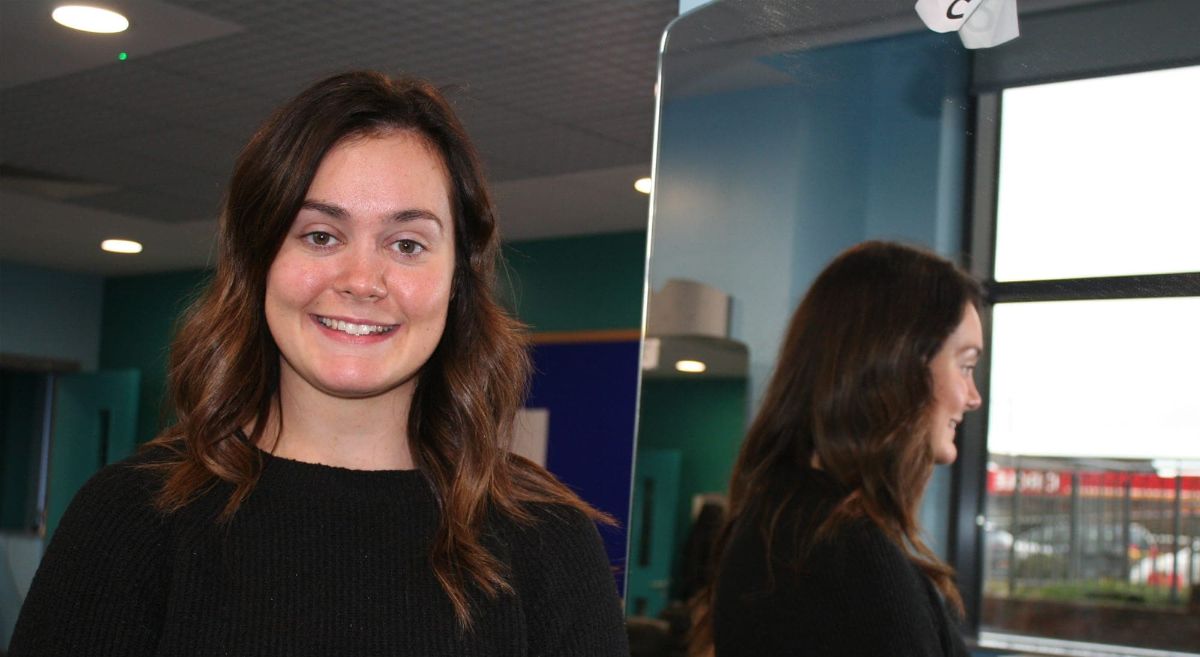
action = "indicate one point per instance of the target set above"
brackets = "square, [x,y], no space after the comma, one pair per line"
[1091,525]
[1098,177]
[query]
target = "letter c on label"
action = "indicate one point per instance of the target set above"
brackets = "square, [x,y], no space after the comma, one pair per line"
[950,10]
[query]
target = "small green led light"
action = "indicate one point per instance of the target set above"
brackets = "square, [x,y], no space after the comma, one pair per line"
[122,56]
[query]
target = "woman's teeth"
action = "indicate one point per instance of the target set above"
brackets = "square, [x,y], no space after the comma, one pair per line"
[353,329]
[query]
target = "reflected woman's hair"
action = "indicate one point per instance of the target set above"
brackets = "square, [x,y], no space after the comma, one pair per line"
[224,364]
[852,388]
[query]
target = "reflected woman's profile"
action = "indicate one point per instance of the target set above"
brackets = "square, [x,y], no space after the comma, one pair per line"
[823,551]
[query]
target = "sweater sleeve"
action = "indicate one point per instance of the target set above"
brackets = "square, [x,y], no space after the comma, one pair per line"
[102,584]
[567,588]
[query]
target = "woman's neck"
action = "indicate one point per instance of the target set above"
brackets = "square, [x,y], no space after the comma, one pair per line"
[359,434]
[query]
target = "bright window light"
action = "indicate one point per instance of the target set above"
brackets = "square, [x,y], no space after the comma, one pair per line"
[90,19]
[1098,177]
[690,366]
[1103,378]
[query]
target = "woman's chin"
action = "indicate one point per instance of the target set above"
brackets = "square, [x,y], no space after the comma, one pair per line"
[945,457]
[358,388]
[945,452]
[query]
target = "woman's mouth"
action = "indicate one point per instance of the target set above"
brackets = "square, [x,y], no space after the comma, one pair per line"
[354,329]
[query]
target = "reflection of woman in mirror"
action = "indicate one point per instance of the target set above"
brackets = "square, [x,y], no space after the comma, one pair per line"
[337,482]
[823,553]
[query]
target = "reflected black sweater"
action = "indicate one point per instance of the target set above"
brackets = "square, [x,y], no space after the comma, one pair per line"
[856,594]
[317,561]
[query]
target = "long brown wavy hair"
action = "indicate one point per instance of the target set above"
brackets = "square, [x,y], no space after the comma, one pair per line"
[224,364]
[853,387]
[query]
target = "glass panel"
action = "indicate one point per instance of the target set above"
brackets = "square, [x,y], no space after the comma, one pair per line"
[787,132]
[1094,471]
[1098,177]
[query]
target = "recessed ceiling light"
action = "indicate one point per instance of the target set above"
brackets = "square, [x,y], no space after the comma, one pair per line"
[690,366]
[643,185]
[90,19]
[121,246]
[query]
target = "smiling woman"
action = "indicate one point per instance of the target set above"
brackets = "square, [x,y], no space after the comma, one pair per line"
[823,550]
[338,480]
[356,299]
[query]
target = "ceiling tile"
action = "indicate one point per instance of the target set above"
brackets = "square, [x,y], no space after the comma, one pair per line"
[149,204]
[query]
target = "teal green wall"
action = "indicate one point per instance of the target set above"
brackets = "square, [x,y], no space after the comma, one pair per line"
[576,283]
[46,313]
[705,421]
[95,418]
[140,313]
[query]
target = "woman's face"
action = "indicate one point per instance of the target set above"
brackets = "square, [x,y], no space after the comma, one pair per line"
[357,296]
[954,393]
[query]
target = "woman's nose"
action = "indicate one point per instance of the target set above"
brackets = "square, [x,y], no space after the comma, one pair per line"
[362,277]
[974,401]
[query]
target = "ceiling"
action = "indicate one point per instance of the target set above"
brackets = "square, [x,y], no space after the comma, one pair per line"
[559,97]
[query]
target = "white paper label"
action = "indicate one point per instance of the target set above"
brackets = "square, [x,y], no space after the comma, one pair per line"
[650,349]
[946,15]
[979,23]
[994,24]
[531,434]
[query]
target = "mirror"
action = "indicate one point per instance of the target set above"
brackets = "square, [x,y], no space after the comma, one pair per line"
[789,131]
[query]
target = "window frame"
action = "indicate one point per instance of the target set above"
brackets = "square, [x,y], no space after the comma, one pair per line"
[968,504]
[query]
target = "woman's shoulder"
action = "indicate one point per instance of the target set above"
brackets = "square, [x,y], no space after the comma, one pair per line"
[129,484]
[803,513]
[794,533]
[105,567]
[562,577]
[860,546]
[552,527]
[558,545]
[116,505]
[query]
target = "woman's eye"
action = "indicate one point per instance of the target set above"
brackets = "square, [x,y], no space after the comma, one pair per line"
[320,238]
[409,247]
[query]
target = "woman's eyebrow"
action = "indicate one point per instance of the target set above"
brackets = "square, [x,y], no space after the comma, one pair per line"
[415,214]
[335,211]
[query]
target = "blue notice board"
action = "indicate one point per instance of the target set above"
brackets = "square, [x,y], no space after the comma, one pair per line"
[590,391]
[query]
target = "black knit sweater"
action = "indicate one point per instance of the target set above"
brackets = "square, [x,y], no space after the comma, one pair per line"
[855,595]
[317,561]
